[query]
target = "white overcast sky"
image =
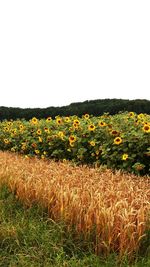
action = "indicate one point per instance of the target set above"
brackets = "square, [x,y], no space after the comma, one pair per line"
[53,53]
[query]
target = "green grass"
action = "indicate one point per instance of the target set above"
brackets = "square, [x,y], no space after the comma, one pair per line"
[28,238]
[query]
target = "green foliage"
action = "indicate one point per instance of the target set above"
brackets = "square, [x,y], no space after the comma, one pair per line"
[121,141]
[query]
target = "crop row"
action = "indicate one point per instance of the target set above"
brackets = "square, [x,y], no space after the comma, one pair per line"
[111,211]
[121,141]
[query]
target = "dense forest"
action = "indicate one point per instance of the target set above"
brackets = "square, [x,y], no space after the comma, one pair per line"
[94,107]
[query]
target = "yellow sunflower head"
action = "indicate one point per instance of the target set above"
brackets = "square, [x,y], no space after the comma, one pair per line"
[86,116]
[146,128]
[58,120]
[76,123]
[60,134]
[13,149]
[91,127]
[71,144]
[9,123]
[14,131]
[117,140]
[72,138]
[131,114]
[40,140]
[21,126]
[114,132]
[48,119]
[46,130]
[92,143]
[140,116]
[39,132]
[67,119]
[6,141]
[6,129]
[34,120]
[125,156]
[102,124]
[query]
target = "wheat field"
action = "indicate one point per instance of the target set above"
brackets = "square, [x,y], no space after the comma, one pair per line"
[110,209]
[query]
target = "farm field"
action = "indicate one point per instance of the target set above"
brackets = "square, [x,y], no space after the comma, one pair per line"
[121,141]
[60,214]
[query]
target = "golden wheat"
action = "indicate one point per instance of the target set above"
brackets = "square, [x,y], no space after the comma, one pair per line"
[112,209]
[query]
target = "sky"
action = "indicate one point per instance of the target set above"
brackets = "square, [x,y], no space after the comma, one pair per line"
[57,52]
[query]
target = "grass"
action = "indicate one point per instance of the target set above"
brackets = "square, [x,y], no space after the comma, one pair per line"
[30,237]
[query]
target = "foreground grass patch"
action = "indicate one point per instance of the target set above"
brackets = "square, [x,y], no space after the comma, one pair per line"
[29,238]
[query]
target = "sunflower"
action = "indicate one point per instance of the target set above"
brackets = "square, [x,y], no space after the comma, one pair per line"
[21,127]
[140,116]
[146,128]
[91,127]
[39,132]
[86,116]
[114,132]
[117,140]
[23,147]
[76,122]
[46,130]
[97,152]
[131,114]
[6,129]
[58,120]
[37,151]
[9,123]
[34,120]
[61,134]
[6,141]
[75,125]
[67,119]
[14,131]
[13,149]
[48,119]
[102,124]
[72,138]
[71,144]
[40,140]
[49,138]
[125,156]
[92,143]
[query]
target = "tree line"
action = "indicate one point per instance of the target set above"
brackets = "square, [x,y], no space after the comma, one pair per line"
[94,107]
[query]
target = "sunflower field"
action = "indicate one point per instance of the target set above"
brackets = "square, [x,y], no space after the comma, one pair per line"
[120,141]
